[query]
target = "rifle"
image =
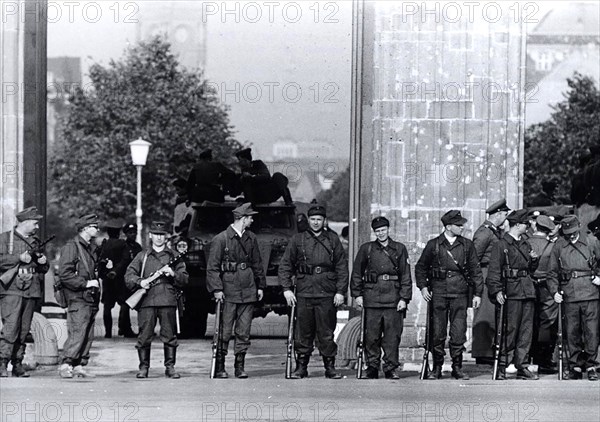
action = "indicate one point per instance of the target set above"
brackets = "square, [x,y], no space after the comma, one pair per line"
[559,339]
[290,343]
[500,323]
[137,296]
[35,252]
[216,340]
[425,364]
[360,346]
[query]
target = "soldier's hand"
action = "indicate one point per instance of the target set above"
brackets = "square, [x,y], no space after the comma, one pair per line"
[260,294]
[109,265]
[42,260]
[92,283]
[168,271]
[596,281]
[476,302]
[25,257]
[533,254]
[338,299]
[359,301]
[289,297]
[401,305]
[558,297]
[500,298]
[145,284]
[425,293]
[219,296]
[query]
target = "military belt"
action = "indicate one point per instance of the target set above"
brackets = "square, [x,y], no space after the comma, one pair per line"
[577,274]
[242,265]
[512,273]
[321,269]
[386,277]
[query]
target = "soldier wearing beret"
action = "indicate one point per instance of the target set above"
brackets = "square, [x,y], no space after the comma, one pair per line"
[446,270]
[573,280]
[546,309]
[381,282]
[209,180]
[510,282]
[256,181]
[484,321]
[160,301]
[77,273]
[21,276]
[235,276]
[316,258]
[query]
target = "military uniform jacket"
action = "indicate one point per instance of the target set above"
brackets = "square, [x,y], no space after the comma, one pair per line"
[75,270]
[577,289]
[381,261]
[240,286]
[28,279]
[520,284]
[305,249]
[543,247]
[454,284]
[484,239]
[112,249]
[165,292]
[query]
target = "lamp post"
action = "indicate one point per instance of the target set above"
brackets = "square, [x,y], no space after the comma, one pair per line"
[139,154]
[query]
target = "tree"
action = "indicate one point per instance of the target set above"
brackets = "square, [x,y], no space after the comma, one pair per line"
[144,94]
[337,199]
[554,149]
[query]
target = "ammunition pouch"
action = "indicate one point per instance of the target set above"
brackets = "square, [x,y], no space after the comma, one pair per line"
[305,269]
[514,273]
[564,276]
[228,267]
[438,273]
[370,277]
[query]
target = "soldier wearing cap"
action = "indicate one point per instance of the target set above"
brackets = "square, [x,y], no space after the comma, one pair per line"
[574,280]
[130,251]
[484,320]
[446,270]
[316,258]
[594,227]
[21,277]
[160,302]
[256,181]
[510,282]
[77,273]
[545,326]
[209,180]
[381,282]
[235,276]
[182,214]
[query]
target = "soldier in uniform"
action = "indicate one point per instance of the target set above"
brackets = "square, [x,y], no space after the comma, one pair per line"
[160,302]
[130,250]
[22,273]
[235,276]
[209,180]
[546,310]
[446,270]
[573,280]
[256,181]
[484,320]
[510,282]
[77,273]
[381,283]
[316,258]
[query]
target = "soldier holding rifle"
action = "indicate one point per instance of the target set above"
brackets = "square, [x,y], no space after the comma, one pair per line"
[159,272]
[510,283]
[574,281]
[22,270]
[381,283]
[235,276]
[449,268]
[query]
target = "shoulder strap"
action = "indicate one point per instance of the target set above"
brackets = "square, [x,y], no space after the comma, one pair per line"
[322,244]
[583,255]
[395,265]
[437,251]
[82,259]
[144,263]
[11,242]
[239,240]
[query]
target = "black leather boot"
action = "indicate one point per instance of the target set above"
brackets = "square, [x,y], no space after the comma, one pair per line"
[329,363]
[371,372]
[436,372]
[457,371]
[220,367]
[239,365]
[170,358]
[301,370]
[144,357]
[18,370]
[3,370]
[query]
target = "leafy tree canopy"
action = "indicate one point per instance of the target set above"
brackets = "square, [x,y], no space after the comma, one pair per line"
[337,199]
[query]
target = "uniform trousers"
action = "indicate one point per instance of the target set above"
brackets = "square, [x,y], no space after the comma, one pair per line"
[383,330]
[316,316]
[519,332]
[452,310]
[147,317]
[581,327]
[80,332]
[237,322]
[17,313]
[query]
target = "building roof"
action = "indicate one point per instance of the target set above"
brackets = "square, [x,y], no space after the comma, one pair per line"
[577,18]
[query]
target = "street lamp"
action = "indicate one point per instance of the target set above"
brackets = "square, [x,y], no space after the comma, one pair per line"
[139,153]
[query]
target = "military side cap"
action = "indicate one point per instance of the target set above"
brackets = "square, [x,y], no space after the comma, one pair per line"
[129,227]
[244,153]
[497,207]
[379,222]
[534,214]
[453,217]
[114,223]
[30,213]
[518,216]
[158,227]
[570,224]
[546,222]
[86,220]
[317,210]
[594,225]
[244,210]
[206,154]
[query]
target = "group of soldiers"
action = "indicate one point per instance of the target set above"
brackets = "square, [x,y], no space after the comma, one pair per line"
[527,263]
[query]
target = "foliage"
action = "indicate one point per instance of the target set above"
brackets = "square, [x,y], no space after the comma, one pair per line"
[554,149]
[337,199]
[144,94]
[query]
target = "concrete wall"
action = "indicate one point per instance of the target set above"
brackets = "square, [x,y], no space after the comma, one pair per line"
[442,120]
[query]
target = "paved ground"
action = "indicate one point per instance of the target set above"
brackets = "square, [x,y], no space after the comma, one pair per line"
[115,394]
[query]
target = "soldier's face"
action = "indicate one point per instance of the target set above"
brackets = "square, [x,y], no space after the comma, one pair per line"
[456,229]
[158,239]
[382,233]
[316,222]
[248,221]
[30,227]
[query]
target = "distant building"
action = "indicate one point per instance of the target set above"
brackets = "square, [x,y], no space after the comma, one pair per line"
[567,39]
[316,149]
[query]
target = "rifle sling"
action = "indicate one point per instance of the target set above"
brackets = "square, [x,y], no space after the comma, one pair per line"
[330,253]
[583,255]
[81,258]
